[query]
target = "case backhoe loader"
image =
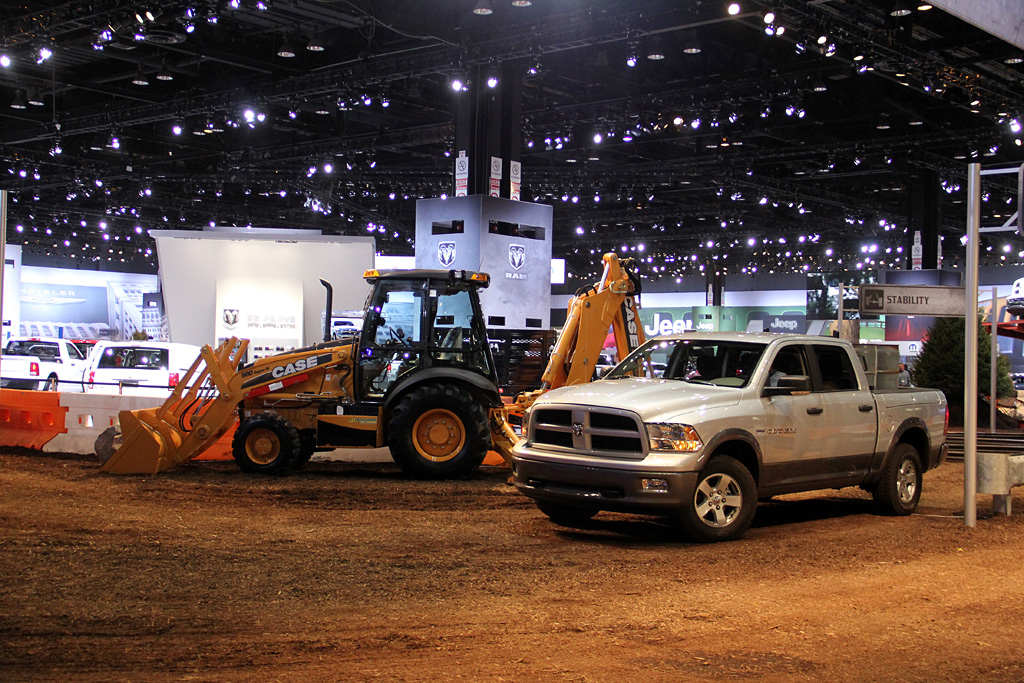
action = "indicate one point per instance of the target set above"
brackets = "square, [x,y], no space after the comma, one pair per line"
[419,378]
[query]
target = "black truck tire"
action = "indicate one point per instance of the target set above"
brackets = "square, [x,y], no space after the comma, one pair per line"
[438,431]
[265,445]
[900,488]
[723,504]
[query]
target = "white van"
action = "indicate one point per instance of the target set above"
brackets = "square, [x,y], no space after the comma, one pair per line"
[138,368]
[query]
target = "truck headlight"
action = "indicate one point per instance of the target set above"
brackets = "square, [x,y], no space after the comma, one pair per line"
[673,437]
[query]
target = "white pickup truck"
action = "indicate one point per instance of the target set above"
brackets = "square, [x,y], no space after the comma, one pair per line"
[47,363]
[700,426]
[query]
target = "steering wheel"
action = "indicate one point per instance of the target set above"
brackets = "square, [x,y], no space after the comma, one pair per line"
[397,335]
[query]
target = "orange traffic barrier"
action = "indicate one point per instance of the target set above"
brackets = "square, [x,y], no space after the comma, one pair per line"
[30,418]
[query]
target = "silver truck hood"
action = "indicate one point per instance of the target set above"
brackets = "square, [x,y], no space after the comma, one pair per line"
[656,400]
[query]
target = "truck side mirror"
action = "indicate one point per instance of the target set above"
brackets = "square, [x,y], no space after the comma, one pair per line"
[788,385]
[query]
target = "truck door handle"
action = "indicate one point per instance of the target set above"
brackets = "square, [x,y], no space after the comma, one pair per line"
[815,411]
[865,408]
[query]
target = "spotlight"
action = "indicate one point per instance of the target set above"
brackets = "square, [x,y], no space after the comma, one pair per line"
[734,9]
[457,84]
[769,16]
[5,60]
[492,82]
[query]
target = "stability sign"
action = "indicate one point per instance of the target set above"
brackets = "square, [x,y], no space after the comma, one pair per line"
[912,300]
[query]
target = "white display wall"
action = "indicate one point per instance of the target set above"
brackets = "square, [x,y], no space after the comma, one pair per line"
[267,281]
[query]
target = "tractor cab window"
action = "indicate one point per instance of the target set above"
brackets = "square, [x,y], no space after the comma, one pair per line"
[391,336]
[457,337]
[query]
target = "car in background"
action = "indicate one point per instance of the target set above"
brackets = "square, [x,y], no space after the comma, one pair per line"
[84,345]
[138,368]
[41,363]
[1015,302]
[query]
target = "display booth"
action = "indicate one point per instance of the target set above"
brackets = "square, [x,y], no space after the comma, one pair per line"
[259,284]
[510,240]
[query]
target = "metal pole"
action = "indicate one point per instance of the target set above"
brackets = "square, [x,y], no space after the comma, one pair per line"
[971,348]
[839,321]
[992,370]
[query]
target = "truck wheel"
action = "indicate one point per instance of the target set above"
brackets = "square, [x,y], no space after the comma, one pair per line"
[265,445]
[900,488]
[723,504]
[307,447]
[439,431]
[565,515]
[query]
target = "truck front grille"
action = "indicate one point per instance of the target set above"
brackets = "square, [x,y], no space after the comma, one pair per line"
[602,432]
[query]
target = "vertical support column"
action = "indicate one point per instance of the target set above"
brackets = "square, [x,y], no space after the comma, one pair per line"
[971,347]
[488,123]
[924,216]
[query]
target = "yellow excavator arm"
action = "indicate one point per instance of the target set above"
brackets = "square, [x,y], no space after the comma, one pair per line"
[610,303]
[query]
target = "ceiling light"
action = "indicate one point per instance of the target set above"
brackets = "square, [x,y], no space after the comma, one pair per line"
[883,123]
[691,44]
[1015,59]
[164,74]
[457,84]
[140,78]
[35,99]
[734,9]
[924,7]
[286,50]
[631,56]
[492,82]
[822,38]
[521,3]
[483,8]
[19,100]
[314,44]
[820,85]
[5,60]
[900,9]
[769,16]
[655,52]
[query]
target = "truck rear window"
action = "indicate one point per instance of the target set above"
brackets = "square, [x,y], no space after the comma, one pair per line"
[133,358]
[38,349]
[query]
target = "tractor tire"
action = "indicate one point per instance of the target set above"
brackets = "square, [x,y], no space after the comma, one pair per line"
[307,447]
[266,445]
[438,431]
[723,504]
[900,488]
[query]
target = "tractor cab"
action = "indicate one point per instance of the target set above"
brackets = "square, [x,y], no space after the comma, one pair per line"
[418,320]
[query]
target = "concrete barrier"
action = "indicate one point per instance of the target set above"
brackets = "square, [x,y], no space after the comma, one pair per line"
[55,422]
[997,474]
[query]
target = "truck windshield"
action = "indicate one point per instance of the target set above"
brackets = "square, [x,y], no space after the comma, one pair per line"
[708,361]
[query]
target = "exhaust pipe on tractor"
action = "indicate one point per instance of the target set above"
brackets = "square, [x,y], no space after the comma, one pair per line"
[330,309]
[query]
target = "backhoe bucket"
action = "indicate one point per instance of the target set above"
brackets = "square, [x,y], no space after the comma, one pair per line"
[193,417]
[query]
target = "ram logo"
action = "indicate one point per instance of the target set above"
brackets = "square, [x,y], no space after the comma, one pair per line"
[230,317]
[516,256]
[446,253]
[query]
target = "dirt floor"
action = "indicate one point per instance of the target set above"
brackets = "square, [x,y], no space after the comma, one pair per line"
[351,573]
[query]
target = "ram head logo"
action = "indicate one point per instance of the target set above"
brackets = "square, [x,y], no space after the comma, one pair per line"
[230,317]
[516,256]
[446,253]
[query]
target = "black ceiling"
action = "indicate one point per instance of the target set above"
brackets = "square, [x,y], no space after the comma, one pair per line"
[753,182]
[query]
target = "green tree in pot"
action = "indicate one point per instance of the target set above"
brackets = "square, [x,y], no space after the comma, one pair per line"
[940,365]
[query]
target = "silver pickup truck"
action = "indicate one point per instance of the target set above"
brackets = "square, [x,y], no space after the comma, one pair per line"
[699,426]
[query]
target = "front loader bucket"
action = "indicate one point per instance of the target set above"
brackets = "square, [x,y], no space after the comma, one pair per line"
[192,418]
[144,449]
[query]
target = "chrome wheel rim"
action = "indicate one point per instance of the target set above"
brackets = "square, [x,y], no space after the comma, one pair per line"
[718,500]
[906,481]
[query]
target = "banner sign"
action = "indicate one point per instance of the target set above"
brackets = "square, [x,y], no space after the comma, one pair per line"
[515,179]
[461,174]
[912,300]
[495,190]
